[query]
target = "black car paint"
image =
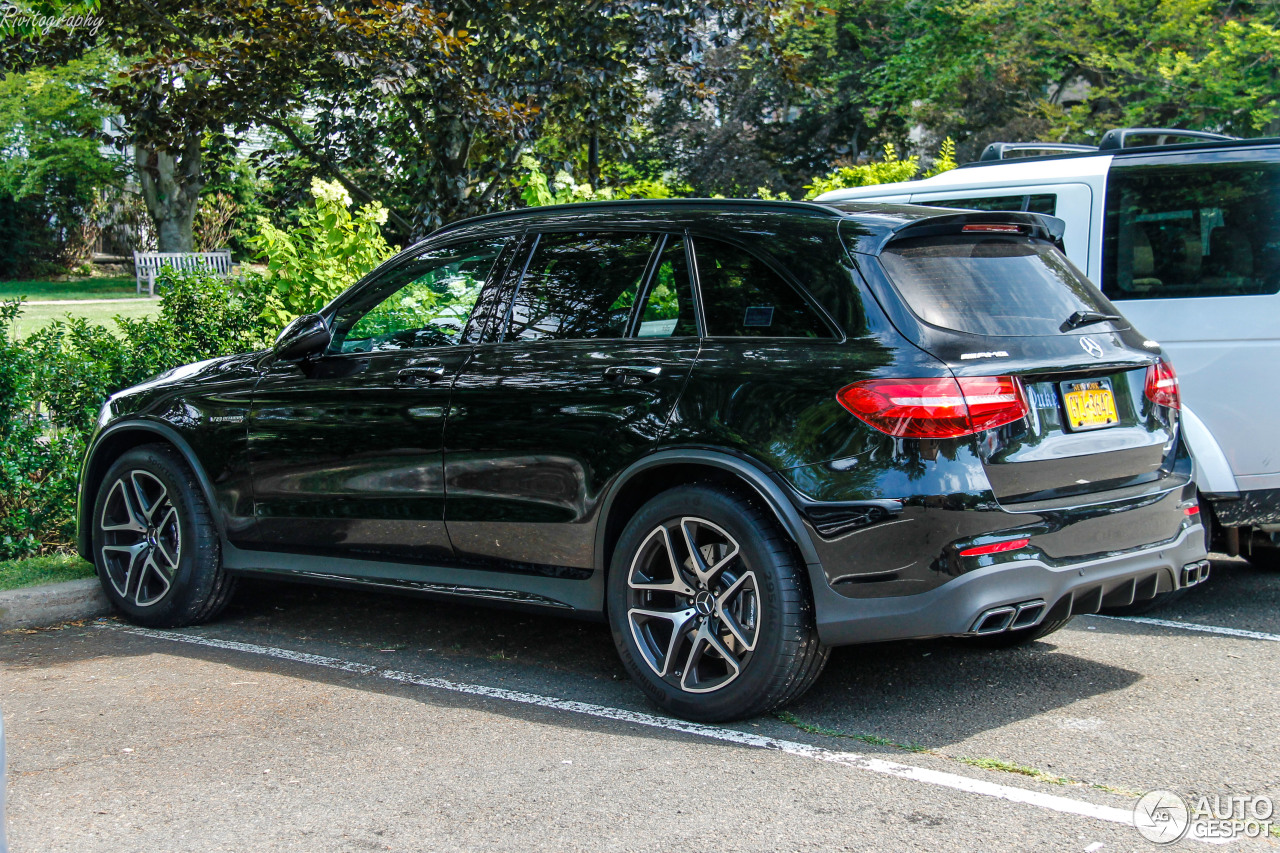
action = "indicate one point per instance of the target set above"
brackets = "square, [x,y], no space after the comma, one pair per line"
[326,469]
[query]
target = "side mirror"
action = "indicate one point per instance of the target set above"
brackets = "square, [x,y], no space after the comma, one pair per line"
[306,335]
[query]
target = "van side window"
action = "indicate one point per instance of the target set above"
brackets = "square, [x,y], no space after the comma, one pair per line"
[1038,203]
[1209,229]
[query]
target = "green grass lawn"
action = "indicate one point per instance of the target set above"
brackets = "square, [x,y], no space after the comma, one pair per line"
[15,574]
[84,288]
[35,317]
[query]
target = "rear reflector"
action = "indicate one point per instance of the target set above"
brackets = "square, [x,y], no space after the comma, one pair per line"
[993,228]
[996,547]
[1194,509]
[935,408]
[1162,385]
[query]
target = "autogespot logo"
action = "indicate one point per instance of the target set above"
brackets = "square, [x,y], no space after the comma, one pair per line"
[1163,817]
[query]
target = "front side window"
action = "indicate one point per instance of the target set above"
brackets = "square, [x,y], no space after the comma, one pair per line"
[1211,229]
[742,296]
[580,285]
[430,301]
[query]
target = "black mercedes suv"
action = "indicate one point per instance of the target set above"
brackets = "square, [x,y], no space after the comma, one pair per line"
[742,432]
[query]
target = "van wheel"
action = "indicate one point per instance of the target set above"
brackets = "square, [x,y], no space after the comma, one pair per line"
[155,545]
[710,607]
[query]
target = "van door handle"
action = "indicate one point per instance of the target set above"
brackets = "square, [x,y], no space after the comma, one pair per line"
[631,375]
[418,375]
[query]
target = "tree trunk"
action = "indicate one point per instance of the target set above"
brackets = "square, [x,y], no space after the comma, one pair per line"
[171,188]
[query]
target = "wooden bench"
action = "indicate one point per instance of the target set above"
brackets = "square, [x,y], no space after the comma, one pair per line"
[149,264]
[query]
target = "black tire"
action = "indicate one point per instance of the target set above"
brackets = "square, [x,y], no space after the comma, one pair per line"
[1262,551]
[161,567]
[771,609]
[1020,637]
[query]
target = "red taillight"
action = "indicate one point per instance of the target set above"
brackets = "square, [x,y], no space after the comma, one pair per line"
[1162,385]
[935,408]
[996,547]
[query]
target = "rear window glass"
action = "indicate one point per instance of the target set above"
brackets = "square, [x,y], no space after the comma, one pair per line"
[991,285]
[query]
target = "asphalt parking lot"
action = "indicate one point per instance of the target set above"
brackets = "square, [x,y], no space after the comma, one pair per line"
[316,719]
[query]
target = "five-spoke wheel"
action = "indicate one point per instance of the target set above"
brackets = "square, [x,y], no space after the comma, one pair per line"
[141,537]
[154,541]
[710,608]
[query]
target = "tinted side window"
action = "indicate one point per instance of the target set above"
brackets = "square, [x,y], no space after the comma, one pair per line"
[425,304]
[1212,229]
[742,296]
[579,285]
[668,308]
[1038,203]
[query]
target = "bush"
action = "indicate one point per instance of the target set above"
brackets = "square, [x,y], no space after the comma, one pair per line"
[890,170]
[53,383]
[328,252]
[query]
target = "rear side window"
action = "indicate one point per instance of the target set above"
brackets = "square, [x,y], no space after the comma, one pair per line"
[1212,229]
[742,296]
[990,285]
[580,285]
[1037,203]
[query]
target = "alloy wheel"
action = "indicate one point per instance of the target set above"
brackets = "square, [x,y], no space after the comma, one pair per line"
[693,605]
[141,543]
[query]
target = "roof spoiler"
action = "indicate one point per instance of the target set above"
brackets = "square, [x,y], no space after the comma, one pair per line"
[1036,225]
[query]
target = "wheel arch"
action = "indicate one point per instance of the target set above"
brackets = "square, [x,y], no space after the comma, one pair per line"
[663,470]
[107,447]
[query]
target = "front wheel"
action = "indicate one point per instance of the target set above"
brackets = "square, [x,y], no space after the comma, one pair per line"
[710,608]
[155,545]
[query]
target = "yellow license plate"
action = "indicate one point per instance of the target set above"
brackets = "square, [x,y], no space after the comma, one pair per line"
[1090,405]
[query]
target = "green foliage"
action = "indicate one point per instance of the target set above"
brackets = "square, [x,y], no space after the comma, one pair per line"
[327,252]
[887,171]
[52,166]
[33,571]
[53,383]
[946,159]
[536,190]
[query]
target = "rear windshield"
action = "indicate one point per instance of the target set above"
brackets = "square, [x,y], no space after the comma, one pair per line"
[991,285]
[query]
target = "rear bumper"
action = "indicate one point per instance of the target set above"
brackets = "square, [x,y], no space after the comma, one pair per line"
[957,607]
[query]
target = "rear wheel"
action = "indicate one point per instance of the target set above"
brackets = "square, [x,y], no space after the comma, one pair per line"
[155,545]
[709,607]
[1264,551]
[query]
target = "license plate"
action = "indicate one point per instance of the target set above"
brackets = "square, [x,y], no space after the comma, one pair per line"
[1090,404]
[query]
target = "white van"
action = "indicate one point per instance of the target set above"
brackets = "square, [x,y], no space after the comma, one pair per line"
[1185,240]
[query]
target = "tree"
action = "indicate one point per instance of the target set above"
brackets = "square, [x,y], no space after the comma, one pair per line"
[53,165]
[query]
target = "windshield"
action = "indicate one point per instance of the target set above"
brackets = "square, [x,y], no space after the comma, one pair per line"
[988,284]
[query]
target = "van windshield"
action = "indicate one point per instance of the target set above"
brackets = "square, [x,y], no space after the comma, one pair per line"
[986,284]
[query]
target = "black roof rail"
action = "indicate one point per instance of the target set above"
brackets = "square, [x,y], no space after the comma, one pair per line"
[1002,150]
[1120,136]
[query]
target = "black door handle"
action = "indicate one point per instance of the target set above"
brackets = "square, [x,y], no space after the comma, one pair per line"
[417,375]
[631,375]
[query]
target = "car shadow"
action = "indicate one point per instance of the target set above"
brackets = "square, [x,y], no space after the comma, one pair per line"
[923,693]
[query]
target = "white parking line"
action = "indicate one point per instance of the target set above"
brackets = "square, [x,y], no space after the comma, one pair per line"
[1051,802]
[1192,626]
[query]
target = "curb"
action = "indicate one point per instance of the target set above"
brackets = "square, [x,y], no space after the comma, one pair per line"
[37,606]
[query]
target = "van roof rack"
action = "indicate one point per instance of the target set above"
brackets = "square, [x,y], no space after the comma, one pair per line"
[1119,137]
[1005,150]
[1120,140]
